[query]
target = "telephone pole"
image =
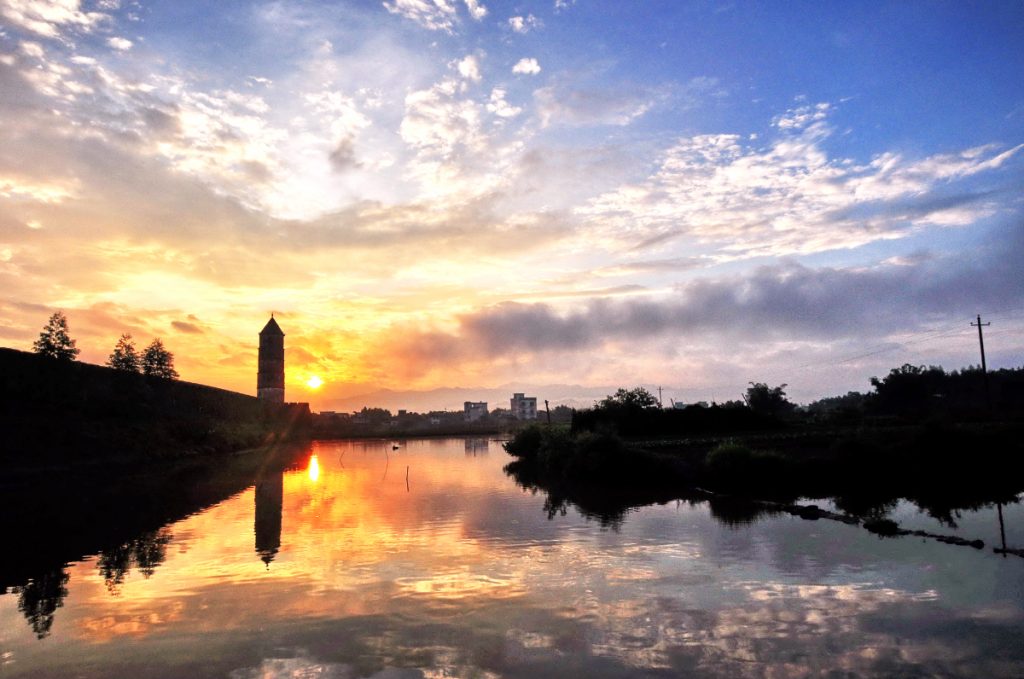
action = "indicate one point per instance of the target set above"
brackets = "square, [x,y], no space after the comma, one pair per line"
[984,368]
[660,404]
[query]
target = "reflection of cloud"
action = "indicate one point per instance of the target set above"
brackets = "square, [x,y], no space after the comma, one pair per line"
[465,576]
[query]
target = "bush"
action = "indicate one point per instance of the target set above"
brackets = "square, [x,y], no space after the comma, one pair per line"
[733,465]
[526,443]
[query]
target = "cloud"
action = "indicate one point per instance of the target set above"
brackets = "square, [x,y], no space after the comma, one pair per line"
[499,107]
[476,10]
[789,197]
[185,327]
[561,105]
[469,68]
[48,18]
[434,15]
[120,44]
[774,304]
[343,157]
[526,66]
[436,120]
[524,25]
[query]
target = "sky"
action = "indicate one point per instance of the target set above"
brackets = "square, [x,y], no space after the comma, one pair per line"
[483,194]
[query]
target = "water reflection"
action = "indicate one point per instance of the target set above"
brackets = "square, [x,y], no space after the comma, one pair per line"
[144,553]
[40,597]
[464,573]
[269,506]
[477,446]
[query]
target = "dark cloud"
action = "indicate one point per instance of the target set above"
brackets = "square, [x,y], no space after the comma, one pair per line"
[190,328]
[343,157]
[160,122]
[782,302]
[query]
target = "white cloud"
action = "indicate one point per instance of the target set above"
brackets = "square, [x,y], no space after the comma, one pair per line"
[435,15]
[476,10]
[22,188]
[499,107]
[524,25]
[469,68]
[526,66]
[48,17]
[790,197]
[32,49]
[120,44]
[437,121]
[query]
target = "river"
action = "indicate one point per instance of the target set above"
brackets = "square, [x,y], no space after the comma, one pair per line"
[359,559]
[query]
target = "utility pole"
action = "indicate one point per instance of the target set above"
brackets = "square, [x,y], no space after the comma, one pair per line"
[984,368]
[660,404]
[548,409]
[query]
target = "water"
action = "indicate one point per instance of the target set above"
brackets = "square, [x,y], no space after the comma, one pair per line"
[355,560]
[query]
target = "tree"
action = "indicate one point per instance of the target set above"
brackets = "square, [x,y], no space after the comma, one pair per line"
[910,390]
[770,401]
[630,399]
[125,356]
[158,362]
[55,341]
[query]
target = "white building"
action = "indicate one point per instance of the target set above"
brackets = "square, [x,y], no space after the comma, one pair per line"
[524,407]
[473,411]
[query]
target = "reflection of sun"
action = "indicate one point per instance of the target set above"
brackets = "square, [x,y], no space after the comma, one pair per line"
[314,382]
[314,469]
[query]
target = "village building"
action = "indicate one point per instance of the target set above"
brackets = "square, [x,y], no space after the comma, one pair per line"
[524,407]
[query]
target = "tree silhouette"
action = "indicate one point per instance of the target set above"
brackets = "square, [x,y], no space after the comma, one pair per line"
[158,362]
[55,340]
[629,399]
[40,598]
[125,356]
[766,400]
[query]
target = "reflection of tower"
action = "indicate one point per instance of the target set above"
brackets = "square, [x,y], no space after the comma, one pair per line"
[269,501]
[270,378]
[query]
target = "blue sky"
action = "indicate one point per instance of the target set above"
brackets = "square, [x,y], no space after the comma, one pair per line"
[462,192]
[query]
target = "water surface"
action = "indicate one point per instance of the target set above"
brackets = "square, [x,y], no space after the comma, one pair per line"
[357,560]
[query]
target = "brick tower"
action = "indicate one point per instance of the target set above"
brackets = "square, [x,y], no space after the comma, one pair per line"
[270,378]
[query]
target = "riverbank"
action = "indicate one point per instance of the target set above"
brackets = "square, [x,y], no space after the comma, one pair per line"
[939,466]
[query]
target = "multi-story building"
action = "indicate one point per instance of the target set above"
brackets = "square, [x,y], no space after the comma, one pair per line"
[524,407]
[473,411]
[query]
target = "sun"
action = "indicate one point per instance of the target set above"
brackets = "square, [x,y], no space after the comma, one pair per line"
[314,382]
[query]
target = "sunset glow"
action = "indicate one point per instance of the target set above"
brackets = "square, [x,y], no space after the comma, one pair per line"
[441,194]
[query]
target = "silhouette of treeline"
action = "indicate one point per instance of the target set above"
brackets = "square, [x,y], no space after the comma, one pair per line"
[923,434]
[55,412]
[121,518]
[940,467]
[907,394]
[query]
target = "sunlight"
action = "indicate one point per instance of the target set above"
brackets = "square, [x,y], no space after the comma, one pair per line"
[314,382]
[314,469]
